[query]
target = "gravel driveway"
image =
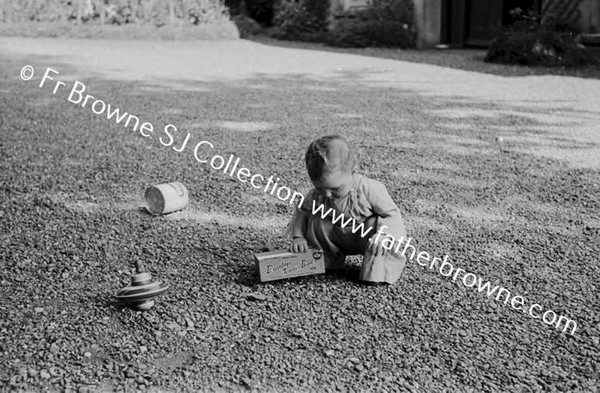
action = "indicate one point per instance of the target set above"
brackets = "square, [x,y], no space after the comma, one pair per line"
[500,173]
[567,108]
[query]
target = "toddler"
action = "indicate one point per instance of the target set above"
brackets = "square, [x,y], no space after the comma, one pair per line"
[330,164]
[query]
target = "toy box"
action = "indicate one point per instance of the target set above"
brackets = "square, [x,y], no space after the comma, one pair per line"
[280,264]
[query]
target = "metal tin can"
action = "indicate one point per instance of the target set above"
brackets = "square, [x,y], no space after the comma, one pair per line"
[166,198]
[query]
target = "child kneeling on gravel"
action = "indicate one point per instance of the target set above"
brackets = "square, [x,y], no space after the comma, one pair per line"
[341,190]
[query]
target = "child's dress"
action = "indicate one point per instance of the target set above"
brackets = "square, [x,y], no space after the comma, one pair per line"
[366,208]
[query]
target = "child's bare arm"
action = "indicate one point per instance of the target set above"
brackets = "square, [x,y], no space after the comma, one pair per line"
[390,222]
[297,231]
[390,218]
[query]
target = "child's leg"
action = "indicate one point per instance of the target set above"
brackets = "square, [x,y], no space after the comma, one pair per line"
[386,268]
[378,269]
[321,234]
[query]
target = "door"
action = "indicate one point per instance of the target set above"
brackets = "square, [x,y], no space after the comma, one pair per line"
[476,22]
[484,21]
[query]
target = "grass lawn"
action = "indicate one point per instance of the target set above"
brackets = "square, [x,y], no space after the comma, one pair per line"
[470,59]
[72,224]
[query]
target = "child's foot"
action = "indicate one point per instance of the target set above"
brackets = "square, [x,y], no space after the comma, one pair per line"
[381,269]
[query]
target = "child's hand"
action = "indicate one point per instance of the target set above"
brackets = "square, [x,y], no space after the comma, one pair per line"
[377,249]
[299,244]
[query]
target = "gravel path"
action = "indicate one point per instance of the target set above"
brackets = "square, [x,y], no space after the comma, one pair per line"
[567,108]
[500,173]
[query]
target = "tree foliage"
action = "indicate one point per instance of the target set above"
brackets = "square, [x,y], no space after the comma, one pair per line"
[157,12]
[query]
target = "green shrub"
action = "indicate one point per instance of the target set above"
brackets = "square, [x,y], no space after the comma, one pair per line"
[537,47]
[535,41]
[401,11]
[42,10]
[246,25]
[318,13]
[210,31]
[361,33]
[202,12]
[387,23]
[305,20]
[119,12]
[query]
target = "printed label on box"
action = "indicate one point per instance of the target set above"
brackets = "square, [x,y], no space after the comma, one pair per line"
[280,264]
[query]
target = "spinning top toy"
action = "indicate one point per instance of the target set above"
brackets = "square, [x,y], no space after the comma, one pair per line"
[142,291]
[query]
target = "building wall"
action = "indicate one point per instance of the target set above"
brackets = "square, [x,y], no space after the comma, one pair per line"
[428,15]
[589,13]
[590,16]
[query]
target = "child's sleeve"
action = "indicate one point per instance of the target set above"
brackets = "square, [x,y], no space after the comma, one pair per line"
[298,224]
[385,208]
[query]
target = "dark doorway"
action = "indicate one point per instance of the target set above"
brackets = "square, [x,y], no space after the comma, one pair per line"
[484,19]
[476,22]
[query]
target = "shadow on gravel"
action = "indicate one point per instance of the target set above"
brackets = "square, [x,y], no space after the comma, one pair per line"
[493,185]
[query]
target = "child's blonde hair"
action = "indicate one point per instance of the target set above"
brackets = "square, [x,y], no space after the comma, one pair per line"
[327,155]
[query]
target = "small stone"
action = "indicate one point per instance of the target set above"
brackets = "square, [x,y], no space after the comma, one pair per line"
[259,297]
[141,380]
[32,372]
[143,349]
[329,353]
[359,367]
[44,374]
[247,382]
[269,247]
[354,360]
[87,355]
[39,309]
